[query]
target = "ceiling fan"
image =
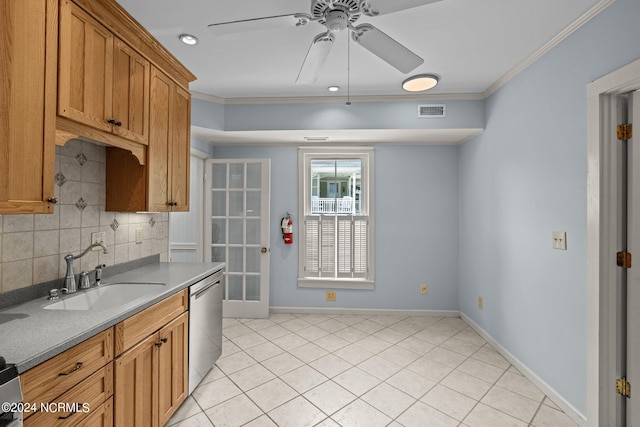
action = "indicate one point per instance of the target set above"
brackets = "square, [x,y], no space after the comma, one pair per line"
[336,16]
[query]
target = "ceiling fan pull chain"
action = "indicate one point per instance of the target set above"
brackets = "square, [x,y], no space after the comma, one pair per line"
[348,69]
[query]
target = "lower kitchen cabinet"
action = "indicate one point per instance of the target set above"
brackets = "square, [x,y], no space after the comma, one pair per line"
[151,377]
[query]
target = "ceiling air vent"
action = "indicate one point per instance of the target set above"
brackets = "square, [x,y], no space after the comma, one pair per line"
[432,111]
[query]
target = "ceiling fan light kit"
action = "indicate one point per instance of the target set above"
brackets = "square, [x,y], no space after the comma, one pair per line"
[337,16]
[420,82]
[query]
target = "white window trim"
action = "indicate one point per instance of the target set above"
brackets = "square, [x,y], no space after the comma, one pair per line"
[305,155]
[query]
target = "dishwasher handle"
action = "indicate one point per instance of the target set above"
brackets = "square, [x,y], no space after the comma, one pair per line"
[201,291]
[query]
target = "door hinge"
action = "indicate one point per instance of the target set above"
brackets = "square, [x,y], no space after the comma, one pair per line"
[623,387]
[623,259]
[625,131]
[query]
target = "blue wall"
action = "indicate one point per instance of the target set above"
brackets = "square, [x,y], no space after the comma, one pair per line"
[525,177]
[416,232]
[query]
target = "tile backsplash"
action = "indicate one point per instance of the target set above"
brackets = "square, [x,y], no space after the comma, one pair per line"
[32,247]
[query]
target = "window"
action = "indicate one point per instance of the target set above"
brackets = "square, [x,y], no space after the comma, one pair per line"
[336,217]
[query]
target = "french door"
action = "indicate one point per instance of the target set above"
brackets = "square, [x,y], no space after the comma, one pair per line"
[237,230]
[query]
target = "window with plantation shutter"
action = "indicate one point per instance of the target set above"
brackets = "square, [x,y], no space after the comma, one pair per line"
[336,212]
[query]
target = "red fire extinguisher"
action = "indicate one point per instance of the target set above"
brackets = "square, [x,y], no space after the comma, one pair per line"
[287,229]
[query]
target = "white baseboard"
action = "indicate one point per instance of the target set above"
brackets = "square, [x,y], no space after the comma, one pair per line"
[569,409]
[363,311]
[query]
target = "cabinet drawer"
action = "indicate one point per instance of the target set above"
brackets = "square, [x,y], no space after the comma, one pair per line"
[134,329]
[101,417]
[78,403]
[50,379]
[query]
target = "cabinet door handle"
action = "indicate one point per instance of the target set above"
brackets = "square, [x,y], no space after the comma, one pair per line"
[78,366]
[111,121]
[164,339]
[70,413]
[52,200]
[118,123]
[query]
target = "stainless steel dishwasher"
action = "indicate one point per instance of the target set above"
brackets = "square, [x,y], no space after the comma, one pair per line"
[205,326]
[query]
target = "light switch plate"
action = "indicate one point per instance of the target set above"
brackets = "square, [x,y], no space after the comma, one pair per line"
[560,240]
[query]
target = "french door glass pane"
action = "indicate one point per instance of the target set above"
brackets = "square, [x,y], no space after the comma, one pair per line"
[235,262]
[234,282]
[253,203]
[219,175]
[219,203]
[236,227]
[253,231]
[253,260]
[253,288]
[218,230]
[236,175]
[218,254]
[236,203]
[254,175]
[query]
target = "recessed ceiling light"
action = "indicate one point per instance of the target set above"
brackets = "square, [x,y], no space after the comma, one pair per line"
[333,88]
[188,39]
[420,83]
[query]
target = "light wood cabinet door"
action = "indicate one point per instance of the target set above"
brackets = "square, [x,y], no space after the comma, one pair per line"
[130,110]
[180,150]
[136,385]
[159,140]
[28,61]
[169,145]
[86,69]
[101,416]
[173,365]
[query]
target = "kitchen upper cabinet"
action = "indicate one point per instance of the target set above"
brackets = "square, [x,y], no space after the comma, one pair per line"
[162,184]
[130,93]
[28,60]
[103,83]
[169,149]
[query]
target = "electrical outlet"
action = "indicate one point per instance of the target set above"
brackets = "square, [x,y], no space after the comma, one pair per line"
[560,240]
[423,289]
[331,295]
[98,237]
[139,235]
[480,303]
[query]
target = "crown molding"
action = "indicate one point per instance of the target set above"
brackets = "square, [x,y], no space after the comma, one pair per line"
[590,14]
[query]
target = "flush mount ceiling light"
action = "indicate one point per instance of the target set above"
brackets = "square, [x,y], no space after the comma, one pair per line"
[420,83]
[188,39]
[333,88]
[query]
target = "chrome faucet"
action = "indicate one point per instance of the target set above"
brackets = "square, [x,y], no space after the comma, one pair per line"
[70,279]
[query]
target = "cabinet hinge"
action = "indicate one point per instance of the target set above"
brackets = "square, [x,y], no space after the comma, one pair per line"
[623,259]
[623,387]
[625,131]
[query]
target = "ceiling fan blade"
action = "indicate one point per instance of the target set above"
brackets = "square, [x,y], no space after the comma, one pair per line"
[381,7]
[255,24]
[386,48]
[318,52]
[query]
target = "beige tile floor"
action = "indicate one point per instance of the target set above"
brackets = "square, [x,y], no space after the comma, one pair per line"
[347,370]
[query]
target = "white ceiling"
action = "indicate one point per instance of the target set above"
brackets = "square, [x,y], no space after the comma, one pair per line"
[474,46]
[471,44]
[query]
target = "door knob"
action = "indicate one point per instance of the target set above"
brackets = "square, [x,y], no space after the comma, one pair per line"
[264,250]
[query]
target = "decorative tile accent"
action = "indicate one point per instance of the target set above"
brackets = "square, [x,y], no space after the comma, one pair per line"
[60,179]
[114,225]
[152,222]
[81,204]
[81,158]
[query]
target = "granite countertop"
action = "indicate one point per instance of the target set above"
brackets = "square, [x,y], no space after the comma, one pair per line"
[29,334]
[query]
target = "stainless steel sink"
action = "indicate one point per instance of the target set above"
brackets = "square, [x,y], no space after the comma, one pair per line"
[106,296]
